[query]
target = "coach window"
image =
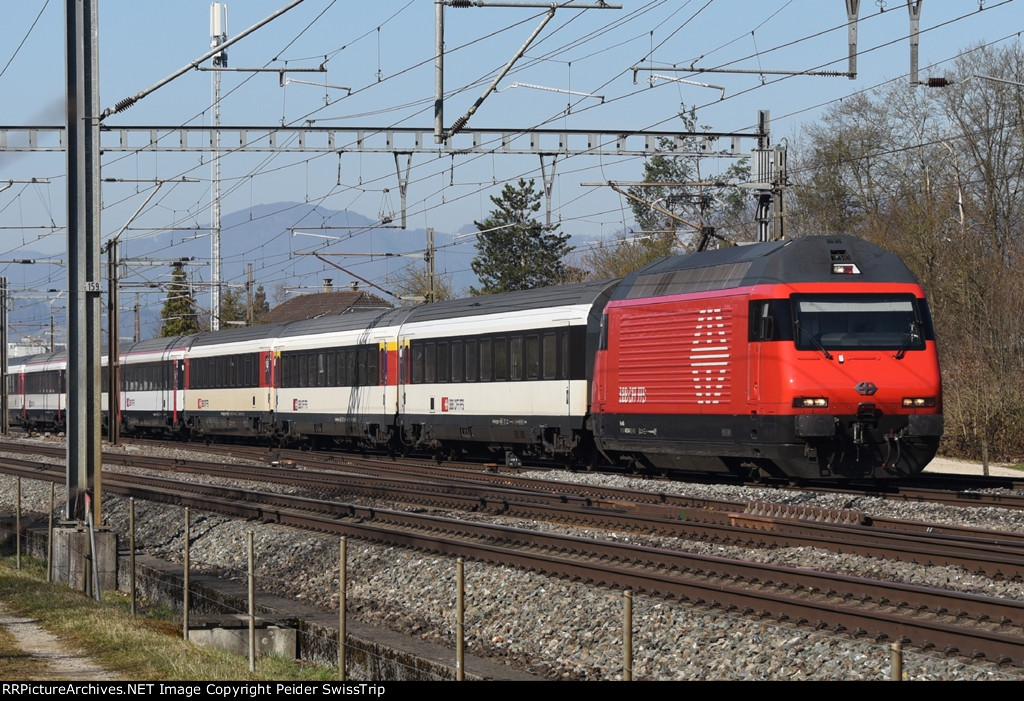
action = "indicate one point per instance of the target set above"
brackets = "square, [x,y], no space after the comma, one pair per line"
[550,356]
[500,358]
[321,370]
[362,354]
[443,363]
[532,357]
[563,347]
[456,361]
[372,366]
[417,363]
[351,368]
[330,368]
[472,366]
[430,363]
[516,357]
[486,360]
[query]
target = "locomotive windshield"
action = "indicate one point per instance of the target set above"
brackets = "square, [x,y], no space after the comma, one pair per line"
[870,322]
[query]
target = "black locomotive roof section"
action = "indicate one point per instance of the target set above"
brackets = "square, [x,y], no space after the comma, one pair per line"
[593,292]
[807,259]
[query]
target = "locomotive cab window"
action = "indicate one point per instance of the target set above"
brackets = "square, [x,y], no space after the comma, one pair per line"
[769,320]
[849,322]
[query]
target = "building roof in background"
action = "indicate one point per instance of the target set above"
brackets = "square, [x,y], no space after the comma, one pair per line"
[330,303]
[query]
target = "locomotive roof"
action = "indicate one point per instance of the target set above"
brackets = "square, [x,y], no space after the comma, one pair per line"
[507,302]
[806,259]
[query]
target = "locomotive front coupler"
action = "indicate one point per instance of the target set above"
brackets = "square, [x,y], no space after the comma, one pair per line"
[867,418]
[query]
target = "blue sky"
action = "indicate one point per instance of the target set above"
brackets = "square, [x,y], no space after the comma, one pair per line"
[384,51]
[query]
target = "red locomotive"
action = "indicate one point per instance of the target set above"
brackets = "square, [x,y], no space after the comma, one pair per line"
[812,358]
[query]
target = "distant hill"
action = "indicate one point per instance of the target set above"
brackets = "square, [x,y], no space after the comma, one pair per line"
[277,239]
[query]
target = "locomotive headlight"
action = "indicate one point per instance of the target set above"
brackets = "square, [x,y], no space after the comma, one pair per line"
[810,402]
[918,402]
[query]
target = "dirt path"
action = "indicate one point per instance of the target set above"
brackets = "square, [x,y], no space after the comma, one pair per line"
[62,664]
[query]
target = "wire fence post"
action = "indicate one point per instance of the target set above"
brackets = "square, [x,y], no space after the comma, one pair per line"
[342,606]
[131,551]
[460,626]
[252,609]
[49,537]
[627,635]
[896,662]
[184,626]
[17,529]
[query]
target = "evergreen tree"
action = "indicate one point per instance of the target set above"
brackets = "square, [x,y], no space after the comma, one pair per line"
[514,250]
[260,306]
[179,310]
[232,307]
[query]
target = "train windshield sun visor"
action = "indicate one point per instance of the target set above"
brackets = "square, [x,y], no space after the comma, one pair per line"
[858,321]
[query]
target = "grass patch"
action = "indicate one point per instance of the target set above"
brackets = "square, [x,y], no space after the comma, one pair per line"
[132,649]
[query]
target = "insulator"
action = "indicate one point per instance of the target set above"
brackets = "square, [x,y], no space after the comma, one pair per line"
[459,123]
[124,104]
[937,83]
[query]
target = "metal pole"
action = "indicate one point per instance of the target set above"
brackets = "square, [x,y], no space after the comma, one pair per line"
[896,662]
[431,271]
[627,635]
[852,11]
[49,536]
[113,346]
[439,72]
[84,276]
[131,553]
[342,607]
[184,626]
[17,529]
[95,591]
[4,418]
[218,33]
[460,616]
[252,609]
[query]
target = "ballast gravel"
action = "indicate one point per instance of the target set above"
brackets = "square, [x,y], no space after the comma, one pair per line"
[562,630]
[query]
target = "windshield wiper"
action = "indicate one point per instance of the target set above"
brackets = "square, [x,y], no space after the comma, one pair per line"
[914,329]
[815,341]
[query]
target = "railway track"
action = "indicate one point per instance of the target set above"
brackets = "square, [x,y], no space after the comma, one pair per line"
[745,524]
[955,623]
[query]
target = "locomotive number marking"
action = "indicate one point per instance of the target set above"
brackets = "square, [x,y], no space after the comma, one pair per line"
[632,395]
